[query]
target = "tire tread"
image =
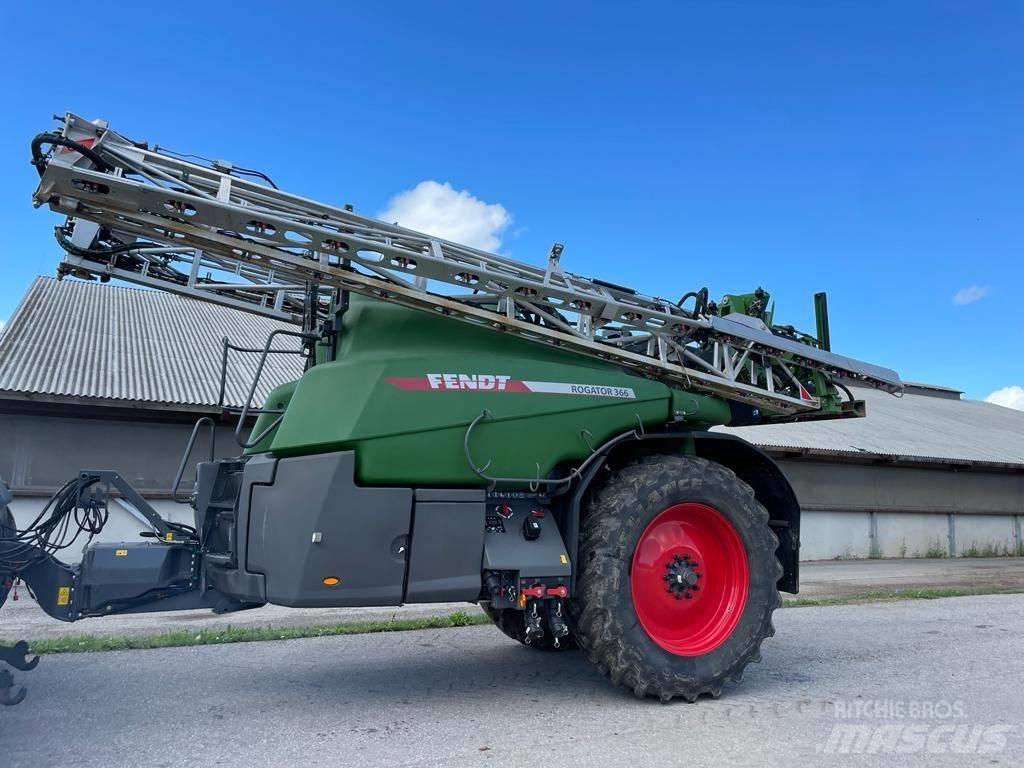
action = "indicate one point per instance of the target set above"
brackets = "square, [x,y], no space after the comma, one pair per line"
[600,628]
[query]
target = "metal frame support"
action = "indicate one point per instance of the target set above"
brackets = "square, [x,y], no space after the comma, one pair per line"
[254,241]
[821,321]
[110,478]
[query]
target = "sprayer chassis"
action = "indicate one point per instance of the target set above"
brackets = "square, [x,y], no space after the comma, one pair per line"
[301,532]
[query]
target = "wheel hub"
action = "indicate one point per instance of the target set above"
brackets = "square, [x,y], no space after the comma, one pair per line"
[689,579]
[682,577]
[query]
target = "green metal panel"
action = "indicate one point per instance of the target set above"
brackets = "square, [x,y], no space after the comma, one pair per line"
[277,400]
[406,386]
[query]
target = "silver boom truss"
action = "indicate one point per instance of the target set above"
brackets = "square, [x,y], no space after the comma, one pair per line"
[213,234]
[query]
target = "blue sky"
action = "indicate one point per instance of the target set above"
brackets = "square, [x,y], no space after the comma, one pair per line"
[870,150]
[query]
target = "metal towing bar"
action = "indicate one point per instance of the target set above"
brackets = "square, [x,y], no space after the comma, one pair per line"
[154,218]
[162,573]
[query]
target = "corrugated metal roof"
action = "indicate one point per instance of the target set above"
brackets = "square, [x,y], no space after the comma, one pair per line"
[109,343]
[912,426]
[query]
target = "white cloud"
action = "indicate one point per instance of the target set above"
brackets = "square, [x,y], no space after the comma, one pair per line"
[969,295]
[452,214]
[1010,397]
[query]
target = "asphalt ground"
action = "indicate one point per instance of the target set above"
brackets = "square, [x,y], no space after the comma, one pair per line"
[909,683]
[832,578]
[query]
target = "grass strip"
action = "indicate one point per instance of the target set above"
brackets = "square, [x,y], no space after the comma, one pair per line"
[228,634]
[892,595]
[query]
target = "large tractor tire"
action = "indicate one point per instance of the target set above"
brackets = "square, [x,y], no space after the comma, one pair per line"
[510,621]
[6,529]
[677,577]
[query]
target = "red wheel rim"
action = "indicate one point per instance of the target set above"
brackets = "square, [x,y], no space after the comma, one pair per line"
[689,549]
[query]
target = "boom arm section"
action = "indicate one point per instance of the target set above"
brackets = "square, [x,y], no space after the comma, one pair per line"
[210,231]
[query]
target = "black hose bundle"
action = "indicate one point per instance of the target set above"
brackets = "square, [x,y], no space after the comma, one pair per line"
[7,529]
[58,526]
[61,233]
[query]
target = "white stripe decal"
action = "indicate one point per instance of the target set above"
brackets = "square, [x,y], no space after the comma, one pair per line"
[593,390]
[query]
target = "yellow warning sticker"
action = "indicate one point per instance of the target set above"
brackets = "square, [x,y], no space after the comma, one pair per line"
[565,560]
[169,536]
[63,595]
[120,553]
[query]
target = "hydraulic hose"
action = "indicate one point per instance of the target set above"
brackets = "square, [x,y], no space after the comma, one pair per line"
[55,139]
[845,389]
[67,245]
[700,301]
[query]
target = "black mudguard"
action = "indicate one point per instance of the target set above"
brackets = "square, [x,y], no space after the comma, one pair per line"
[750,463]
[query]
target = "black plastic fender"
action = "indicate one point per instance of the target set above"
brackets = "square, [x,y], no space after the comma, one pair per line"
[752,465]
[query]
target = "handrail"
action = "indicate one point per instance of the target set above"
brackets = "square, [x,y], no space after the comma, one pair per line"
[227,346]
[305,336]
[188,452]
